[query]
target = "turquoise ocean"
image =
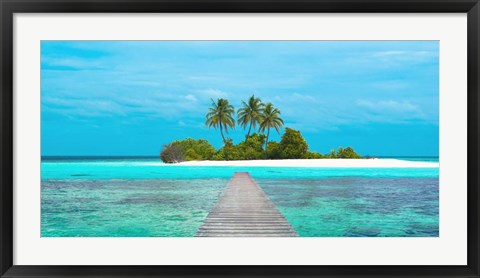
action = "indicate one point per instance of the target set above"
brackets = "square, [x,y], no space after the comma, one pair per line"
[142,197]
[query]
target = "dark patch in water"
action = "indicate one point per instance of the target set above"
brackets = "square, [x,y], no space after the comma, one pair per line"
[80,175]
[363,232]
[423,229]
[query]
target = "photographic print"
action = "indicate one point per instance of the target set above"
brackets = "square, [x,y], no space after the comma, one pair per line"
[240,138]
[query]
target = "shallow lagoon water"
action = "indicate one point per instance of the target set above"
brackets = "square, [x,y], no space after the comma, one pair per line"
[356,206]
[143,198]
[126,208]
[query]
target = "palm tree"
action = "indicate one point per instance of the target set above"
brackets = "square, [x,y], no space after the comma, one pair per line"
[250,113]
[270,119]
[220,115]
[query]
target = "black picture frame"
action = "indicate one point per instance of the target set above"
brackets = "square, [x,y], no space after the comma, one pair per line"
[10,7]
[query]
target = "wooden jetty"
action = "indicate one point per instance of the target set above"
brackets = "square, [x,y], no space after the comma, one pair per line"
[244,210]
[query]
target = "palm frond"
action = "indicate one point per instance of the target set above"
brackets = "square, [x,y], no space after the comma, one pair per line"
[220,115]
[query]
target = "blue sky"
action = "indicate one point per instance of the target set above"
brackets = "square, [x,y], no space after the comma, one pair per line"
[130,98]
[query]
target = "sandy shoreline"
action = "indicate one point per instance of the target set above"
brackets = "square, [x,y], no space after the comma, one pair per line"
[319,163]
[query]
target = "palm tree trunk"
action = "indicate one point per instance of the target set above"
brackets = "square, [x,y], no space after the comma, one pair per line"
[266,143]
[221,132]
[248,133]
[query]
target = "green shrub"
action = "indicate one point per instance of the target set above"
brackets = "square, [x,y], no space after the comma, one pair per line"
[293,145]
[228,152]
[251,148]
[273,150]
[348,152]
[314,155]
[187,149]
[332,154]
[190,154]
[196,149]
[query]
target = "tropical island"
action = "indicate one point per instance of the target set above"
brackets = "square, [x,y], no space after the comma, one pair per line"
[253,115]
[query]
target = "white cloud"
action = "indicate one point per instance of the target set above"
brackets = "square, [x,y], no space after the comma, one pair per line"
[209,78]
[389,53]
[391,111]
[72,63]
[288,100]
[191,97]
[390,85]
[393,53]
[402,57]
[85,107]
[213,93]
[388,105]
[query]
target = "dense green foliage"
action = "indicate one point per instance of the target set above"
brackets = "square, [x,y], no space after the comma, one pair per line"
[188,149]
[196,149]
[227,152]
[314,155]
[273,150]
[292,145]
[348,152]
[250,149]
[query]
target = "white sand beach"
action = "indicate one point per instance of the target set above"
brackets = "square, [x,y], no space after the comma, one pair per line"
[319,163]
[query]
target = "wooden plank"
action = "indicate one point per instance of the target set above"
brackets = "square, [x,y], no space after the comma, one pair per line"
[244,210]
